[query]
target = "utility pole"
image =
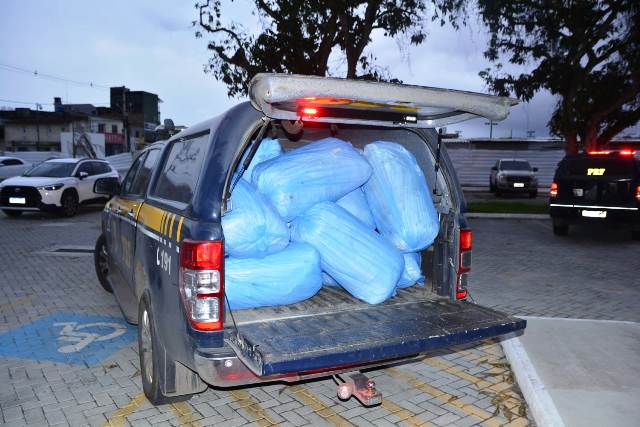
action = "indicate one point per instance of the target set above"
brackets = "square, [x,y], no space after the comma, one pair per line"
[125,121]
[38,108]
[491,124]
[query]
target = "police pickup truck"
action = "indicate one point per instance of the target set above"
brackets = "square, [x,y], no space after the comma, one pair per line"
[161,251]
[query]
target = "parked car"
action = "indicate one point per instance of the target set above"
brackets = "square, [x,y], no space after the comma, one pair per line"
[54,185]
[162,229]
[513,176]
[12,166]
[599,186]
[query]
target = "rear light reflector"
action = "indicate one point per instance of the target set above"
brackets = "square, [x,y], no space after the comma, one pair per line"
[201,283]
[464,263]
[553,190]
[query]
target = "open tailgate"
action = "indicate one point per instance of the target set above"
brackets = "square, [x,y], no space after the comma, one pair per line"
[324,341]
[333,100]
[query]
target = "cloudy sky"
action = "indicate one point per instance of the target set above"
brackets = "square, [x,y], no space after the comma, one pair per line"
[150,45]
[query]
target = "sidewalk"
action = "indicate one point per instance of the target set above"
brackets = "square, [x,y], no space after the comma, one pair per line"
[577,372]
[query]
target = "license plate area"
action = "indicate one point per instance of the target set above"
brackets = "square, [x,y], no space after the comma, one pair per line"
[518,184]
[17,200]
[594,214]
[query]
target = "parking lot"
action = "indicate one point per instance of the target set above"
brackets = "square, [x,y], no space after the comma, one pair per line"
[53,373]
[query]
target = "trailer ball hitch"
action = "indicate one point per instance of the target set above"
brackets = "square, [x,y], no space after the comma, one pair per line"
[359,386]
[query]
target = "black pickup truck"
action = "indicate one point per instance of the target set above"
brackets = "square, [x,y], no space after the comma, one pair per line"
[162,247]
[600,186]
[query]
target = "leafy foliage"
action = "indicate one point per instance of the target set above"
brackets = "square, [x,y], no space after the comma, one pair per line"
[585,51]
[298,36]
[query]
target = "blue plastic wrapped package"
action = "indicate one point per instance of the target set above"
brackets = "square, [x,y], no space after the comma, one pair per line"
[286,277]
[324,170]
[356,204]
[327,280]
[268,149]
[399,198]
[253,228]
[358,258]
[412,273]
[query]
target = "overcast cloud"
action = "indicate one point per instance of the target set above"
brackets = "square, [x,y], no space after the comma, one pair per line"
[149,45]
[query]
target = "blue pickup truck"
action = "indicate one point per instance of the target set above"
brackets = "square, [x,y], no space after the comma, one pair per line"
[161,251]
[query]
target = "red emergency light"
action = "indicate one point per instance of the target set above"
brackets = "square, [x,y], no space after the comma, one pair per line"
[309,111]
[599,152]
[627,152]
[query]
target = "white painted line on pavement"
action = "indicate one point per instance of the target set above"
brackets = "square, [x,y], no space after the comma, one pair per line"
[542,408]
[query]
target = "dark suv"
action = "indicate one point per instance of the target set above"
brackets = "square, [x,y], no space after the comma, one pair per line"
[162,251]
[599,186]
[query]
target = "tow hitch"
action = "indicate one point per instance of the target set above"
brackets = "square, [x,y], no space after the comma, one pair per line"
[358,385]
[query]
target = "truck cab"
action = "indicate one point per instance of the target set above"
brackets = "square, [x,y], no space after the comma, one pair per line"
[163,254]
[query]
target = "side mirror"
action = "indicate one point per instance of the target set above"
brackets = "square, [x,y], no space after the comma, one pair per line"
[107,186]
[83,175]
[535,169]
[493,168]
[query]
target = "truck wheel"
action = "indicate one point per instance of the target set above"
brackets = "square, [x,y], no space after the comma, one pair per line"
[101,262]
[492,188]
[12,213]
[149,350]
[560,229]
[69,203]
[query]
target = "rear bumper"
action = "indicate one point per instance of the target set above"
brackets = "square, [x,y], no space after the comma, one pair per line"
[570,213]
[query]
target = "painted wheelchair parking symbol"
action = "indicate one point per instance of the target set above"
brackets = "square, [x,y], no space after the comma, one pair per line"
[69,338]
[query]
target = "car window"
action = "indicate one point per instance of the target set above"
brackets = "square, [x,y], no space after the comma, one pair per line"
[133,170]
[100,168]
[512,165]
[85,167]
[11,162]
[141,181]
[52,170]
[181,170]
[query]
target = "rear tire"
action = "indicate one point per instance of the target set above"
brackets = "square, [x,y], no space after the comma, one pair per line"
[492,188]
[560,229]
[69,203]
[150,363]
[12,213]
[101,263]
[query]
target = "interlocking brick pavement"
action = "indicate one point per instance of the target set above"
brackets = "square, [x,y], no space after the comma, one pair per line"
[522,268]
[462,386]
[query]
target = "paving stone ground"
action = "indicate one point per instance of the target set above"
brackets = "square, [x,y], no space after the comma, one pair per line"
[462,386]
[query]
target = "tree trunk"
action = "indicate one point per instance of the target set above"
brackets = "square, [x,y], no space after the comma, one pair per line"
[571,140]
[590,140]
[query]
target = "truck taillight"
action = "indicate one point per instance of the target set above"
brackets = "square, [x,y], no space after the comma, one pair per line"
[553,190]
[638,193]
[464,263]
[201,283]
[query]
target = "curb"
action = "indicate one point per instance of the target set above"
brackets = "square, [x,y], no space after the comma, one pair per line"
[496,215]
[541,405]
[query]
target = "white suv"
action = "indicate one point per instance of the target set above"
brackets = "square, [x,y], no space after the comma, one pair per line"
[57,184]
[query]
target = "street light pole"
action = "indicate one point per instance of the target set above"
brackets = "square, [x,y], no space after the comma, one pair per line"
[491,124]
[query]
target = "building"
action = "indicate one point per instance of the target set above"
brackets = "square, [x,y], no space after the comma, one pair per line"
[141,110]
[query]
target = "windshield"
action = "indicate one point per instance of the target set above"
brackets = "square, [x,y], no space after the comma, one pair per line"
[512,165]
[52,170]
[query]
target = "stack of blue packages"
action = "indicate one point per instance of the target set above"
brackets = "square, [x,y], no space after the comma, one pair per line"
[399,198]
[356,204]
[358,258]
[268,149]
[324,170]
[412,272]
[289,276]
[252,228]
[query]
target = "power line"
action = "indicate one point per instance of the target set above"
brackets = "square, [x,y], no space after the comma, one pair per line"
[36,73]
[13,101]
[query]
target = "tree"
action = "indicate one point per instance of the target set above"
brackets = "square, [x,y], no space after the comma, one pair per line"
[587,52]
[298,36]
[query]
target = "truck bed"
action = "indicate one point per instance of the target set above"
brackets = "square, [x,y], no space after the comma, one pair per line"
[330,300]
